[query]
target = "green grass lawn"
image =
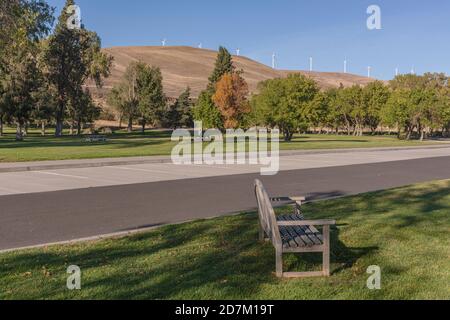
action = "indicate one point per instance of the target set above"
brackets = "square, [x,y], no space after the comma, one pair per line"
[404,231]
[122,144]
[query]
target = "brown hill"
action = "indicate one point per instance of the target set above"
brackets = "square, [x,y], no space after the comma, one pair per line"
[188,66]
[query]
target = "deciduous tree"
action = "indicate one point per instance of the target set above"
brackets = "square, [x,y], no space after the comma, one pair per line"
[286,103]
[231,99]
[72,57]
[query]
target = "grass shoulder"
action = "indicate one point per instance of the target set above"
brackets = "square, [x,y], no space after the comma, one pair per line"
[158,143]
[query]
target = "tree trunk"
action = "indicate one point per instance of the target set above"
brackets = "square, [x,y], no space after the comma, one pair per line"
[59,120]
[422,134]
[58,129]
[1,126]
[408,135]
[72,125]
[43,128]
[288,135]
[79,127]
[130,125]
[19,132]
[143,127]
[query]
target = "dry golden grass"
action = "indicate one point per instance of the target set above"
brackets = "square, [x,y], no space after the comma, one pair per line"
[188,66]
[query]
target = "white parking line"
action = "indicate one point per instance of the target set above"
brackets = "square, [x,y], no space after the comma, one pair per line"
[215,166]
[141,170]
[61,175]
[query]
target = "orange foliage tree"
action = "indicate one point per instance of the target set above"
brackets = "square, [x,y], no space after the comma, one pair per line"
[231,99]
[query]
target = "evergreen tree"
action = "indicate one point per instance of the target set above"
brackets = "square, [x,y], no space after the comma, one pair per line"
[180,113]
[223,65]
[206,111]
[150,94]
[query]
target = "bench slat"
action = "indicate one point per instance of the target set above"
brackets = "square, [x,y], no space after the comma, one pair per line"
[288,241]
[307,235]
[299,232]
[298,240]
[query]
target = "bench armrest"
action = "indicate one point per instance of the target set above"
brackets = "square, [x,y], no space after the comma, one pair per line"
[287,199]
[307,223]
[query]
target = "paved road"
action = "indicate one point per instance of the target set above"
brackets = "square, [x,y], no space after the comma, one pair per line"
[46,180]
[37,218]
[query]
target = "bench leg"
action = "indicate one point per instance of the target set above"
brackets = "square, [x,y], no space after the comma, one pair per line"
[279,263]
[326,251]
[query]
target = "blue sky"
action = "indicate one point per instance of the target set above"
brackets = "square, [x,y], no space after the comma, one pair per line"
[414,33]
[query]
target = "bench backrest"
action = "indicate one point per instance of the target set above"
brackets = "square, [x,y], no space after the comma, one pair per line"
[266,213]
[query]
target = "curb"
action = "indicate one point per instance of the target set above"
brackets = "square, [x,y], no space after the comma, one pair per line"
[71,164]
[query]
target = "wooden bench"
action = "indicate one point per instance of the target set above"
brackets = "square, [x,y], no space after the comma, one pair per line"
[95,138]
[292,233]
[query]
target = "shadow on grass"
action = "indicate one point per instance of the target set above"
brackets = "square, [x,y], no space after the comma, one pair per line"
[220,257]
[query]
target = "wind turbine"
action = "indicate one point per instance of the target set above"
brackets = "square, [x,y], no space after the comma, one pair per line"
[396,71]
[273,61]
[413,71]
[238,52]
[163,42]
[310,64]
[200,45]
[345,66]
[369,68]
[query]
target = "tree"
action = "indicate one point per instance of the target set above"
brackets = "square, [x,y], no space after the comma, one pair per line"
[410,109]
[2,107]
[376,95]
[444,110]
[139,95]
[83,110]
[334,118]
[72,57]
[286,103]
[353,101]
[150,94]
[124,97]
[223,65]
[205,110]
[45,103]
[180,113]
[319,111]
[416,103]
[231,99]
[24,23]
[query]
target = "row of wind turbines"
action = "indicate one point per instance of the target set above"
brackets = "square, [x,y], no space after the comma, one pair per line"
[311,66]
[311,61]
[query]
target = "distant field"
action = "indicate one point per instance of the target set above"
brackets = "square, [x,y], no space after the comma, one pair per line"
[122,144]
[404,231]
